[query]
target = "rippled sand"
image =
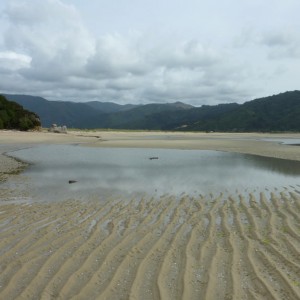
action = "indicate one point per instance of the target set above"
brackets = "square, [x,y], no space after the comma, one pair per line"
[215,247]
[241,245]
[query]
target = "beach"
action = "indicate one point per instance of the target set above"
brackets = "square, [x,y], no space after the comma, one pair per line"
[241,244]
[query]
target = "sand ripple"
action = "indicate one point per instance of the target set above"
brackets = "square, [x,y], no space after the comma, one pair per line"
[228,246]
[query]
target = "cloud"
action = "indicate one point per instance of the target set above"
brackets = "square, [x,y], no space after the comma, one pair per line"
[275,39]
[47,50]
[190,54]
[116,56]
[51,33]
[12,61]
[282,45]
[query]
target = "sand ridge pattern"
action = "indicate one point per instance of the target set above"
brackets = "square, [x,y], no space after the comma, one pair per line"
[243,245]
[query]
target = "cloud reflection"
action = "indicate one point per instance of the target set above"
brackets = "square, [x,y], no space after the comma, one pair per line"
[127,171]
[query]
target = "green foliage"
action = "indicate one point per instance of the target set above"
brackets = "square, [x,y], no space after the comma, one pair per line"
[14,116]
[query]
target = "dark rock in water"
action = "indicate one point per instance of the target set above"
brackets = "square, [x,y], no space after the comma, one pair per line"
[153,157]
[72,181]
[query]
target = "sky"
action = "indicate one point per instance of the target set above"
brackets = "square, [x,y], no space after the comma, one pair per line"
[144,51]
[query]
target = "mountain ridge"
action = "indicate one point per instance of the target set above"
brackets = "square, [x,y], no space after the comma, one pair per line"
[279,112]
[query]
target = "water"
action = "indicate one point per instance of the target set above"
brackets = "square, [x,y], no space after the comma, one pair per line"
[285,141]
[102,171]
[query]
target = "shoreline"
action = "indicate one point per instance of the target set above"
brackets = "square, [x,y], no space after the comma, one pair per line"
[10,166]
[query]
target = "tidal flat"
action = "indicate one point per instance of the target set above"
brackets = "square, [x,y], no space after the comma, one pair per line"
[223,224]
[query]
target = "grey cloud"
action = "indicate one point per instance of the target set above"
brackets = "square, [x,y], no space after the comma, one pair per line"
[52,54]
[292,52]
[125,83]
[116,56]
[275,39]
[50,33]
[282,45]
[278,43]
[189,54]
[36,12]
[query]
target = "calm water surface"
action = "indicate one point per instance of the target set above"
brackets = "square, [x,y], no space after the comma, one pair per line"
[102,171]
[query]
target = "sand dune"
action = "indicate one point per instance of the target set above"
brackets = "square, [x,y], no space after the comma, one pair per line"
[214,247]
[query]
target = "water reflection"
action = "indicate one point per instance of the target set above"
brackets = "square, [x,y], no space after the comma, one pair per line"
[282,166]
[103,171]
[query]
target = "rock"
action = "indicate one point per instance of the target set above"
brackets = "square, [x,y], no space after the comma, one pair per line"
[58,129]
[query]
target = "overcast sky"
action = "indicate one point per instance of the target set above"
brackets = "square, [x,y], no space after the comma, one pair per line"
[142,51]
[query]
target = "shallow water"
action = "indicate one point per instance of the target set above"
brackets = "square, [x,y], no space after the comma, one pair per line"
[101,171]
[285,141]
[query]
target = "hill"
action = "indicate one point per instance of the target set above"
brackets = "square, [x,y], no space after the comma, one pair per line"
[14,116]
[96,114]
[56,112]
[275,113]
[147,117]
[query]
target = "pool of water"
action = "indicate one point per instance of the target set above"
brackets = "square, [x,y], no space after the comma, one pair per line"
[115,171]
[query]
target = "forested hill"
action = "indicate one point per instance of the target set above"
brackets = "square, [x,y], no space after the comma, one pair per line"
[275,113]
[14,116]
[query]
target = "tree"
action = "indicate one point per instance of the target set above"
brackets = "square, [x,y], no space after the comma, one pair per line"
[14,116]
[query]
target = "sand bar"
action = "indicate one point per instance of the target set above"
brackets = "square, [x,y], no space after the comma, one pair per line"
[242,245]
[251,143]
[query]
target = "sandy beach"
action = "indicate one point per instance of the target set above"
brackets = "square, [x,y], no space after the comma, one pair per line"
[239,245]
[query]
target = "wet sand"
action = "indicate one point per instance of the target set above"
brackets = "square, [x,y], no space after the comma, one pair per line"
[241,245]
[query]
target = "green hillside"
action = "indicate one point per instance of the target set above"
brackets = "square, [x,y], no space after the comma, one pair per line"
[14,116]
[275,113]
